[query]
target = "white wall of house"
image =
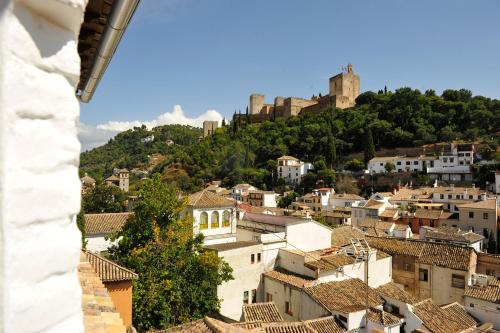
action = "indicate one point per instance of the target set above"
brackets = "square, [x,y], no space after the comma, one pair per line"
[282,293]
[497,182]
[271,243]
[341,202]
[311,309]
[308,235]
[484,311]
[269,200]
[247,277]
[220,230]
[39,153]
[294,262]
[98,243]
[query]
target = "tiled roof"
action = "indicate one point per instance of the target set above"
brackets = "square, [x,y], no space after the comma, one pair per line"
[383,318]
[490,293]
[457,311]
[99,312]
[437,320]
[208,199]
[330,262]
[325,325]
[483,204]
[392,290]
[112,178]
[272,219]
[453,234]
[374,204]
[231,245]
[400,227]
[285,157]
[288,277]
[344,296]
[439,254]
[105,223]
[382,255]
[286,327]
[388,213]
[346,196]
[206,325]
[87,180]
[109,271]
[265,312]
[341,236]
[431,214]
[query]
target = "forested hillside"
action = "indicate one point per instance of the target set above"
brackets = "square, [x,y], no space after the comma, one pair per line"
[242,151]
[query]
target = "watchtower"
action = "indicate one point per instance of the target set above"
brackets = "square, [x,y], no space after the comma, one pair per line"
[345,87]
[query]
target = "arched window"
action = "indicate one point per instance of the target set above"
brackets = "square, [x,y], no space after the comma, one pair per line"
[214,220]
[226,219]
[203,220]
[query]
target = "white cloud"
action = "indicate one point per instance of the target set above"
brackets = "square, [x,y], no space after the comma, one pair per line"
[91,137]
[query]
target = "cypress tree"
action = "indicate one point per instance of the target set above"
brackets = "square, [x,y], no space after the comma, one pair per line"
[492,244]
[223,122]
[369,146]
[331,151]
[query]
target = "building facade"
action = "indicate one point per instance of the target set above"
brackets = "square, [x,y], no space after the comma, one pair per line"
[292,170]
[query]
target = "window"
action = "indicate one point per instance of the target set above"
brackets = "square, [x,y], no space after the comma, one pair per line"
[471,197]
[288,309]
[226,219]
[471,305]
[458,281]
[407,162]
[406,267]
[252,259]
[204,220]
[415,162]
[259,255]
[441,196]
[269,297]
[423,275]
[490,272]
[214,220]
[451,159]
[254,296]
[245,297]
[399,163]
[450,196]
[471,215]
[485,216]
[344,319]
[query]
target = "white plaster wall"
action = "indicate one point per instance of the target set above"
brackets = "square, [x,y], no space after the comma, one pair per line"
[308,236]
[269,200]
[99,243]
[294,262]
[379,272]
[39,150]
[246,278]
[284,293]
[310,309]
[497,183]
[485,312]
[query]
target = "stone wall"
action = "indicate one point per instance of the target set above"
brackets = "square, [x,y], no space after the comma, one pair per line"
[39,156]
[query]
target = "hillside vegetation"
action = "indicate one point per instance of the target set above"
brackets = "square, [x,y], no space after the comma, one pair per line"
[245,152]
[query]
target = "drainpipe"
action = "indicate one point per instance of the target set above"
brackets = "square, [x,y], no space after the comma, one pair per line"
[120,16]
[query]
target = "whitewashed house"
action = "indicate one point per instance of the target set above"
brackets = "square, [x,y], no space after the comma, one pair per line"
[241,190]
[292,170]
[213,215]
[260,198]
[246,260]
[98,227]
[482,298]
[371,208]
[343,199]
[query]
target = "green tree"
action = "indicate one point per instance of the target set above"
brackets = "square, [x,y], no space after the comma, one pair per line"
[492,244]
[287,200]
[104,199]
[369,146]
[389,167]
[80,222]
[354,165]
[331,151]
[178,278]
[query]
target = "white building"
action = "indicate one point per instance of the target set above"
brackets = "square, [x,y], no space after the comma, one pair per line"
[400,163]
[292,169]
[371,208]
[260,198]
[246,260]
[213,215]
[482,297]
[497,182]
[240,190]
[344,200]
[99,226]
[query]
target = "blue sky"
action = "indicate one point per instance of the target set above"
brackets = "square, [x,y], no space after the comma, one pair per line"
[210,55]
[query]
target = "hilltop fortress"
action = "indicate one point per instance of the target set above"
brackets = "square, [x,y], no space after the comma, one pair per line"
[343,90]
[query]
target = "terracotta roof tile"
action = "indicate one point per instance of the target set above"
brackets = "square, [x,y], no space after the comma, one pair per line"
[330,262]
[383,318]
[453,234]
[99,312]
[438,320]
[109,271]
[105,223]
[325,325]
[490,292]
[288,277]
[392,290]
[431,214]
[483,204]
[457,311]
[265,312]
[207,199]
[341,236]
[344,296]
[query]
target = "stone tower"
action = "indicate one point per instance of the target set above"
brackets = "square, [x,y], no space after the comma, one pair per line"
[209,127]
[345,87]
[256,103]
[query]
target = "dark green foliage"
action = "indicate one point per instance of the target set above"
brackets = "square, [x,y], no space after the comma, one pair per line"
[287,200]
[178,279]
[354,165]
[80,222]
[389,167]
[369,146]
[104,199]
[403,118]
[492,244]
